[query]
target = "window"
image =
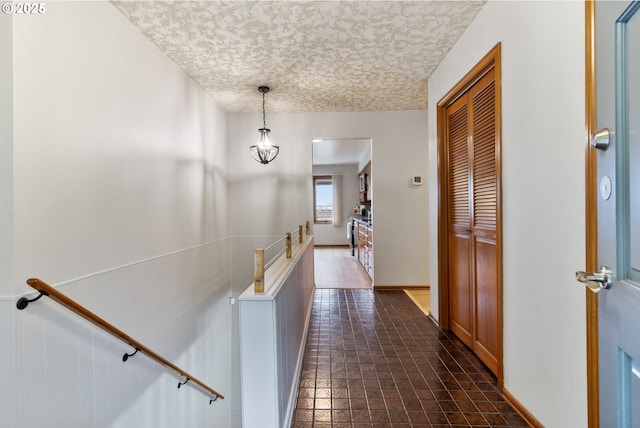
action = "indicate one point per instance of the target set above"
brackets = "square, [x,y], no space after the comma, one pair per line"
[322,199]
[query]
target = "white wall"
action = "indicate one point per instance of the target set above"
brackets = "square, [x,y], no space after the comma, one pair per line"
[120,200]
[6,153]
[6,218]
[329,234]
[543,196]
[399,151]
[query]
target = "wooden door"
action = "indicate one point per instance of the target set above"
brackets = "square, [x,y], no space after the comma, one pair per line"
[483,215]
[473,269]
[460,267]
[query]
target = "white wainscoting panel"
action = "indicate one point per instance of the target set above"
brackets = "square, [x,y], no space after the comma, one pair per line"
[273,327]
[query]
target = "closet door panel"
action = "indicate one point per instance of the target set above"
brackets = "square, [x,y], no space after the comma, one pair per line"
[486,289]
[461,302]
[460,288]
[484,214]
[458,160]
[484,177]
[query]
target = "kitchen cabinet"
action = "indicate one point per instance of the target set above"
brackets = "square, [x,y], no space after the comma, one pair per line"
[369,252]
[365,247]
[362,239]
[366,192]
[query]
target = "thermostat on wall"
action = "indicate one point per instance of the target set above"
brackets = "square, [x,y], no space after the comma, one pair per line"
[416,180]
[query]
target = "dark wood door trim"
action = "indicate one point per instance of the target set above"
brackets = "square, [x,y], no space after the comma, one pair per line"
[490,61]
[591,213]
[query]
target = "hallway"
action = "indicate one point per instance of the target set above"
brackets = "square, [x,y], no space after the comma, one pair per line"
[373,359]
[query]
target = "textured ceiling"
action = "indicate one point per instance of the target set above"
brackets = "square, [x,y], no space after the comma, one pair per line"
[315,55]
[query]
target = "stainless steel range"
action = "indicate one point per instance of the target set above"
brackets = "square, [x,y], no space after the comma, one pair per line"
[352,235]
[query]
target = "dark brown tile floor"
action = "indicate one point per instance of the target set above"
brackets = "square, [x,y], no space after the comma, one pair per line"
[373,359]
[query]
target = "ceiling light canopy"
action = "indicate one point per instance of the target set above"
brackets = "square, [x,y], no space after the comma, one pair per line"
[264,151]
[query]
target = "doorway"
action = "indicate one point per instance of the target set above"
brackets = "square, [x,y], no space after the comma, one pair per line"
[341,167]
[470,224]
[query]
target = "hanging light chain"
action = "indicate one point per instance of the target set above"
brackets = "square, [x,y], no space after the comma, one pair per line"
[264,117]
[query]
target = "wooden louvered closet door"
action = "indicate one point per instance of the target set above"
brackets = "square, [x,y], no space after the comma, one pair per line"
[459,221]
[472,201]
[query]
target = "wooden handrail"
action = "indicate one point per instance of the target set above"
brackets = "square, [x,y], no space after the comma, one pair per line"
[55,295]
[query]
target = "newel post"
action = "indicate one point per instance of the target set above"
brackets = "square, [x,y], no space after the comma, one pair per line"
[288,245]
[258,276]
[308,228]
[300,237]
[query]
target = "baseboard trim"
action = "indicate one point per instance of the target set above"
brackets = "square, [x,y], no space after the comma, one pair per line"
[433,319]
[401,287]
[526,414]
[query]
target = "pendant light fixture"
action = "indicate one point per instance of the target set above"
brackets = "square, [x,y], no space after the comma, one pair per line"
[264,151]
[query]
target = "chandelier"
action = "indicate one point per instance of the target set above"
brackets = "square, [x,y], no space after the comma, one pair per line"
[264,151]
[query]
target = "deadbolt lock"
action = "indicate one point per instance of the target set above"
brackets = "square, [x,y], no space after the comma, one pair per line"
[601,139]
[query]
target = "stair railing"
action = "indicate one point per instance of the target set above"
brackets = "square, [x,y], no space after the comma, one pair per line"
[260,265]
[58,297]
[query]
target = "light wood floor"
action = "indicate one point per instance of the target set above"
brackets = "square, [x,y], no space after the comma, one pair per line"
[335,267]
[421,297]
